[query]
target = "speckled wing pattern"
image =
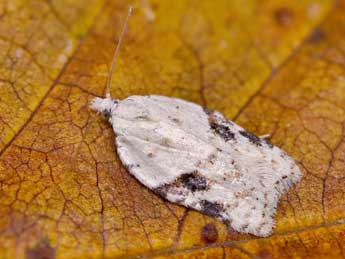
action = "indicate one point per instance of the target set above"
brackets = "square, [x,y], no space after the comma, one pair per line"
[197,158]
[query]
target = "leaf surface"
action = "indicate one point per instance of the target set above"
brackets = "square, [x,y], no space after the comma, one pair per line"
[275,67]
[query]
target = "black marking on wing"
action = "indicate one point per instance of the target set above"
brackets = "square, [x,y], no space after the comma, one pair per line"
[223,131]
[211,208]
[252,138]
[194,181]
[218,124]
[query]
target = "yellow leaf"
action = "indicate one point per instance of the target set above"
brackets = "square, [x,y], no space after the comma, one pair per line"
[276,67]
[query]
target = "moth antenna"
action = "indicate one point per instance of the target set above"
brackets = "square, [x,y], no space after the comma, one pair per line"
[117,51]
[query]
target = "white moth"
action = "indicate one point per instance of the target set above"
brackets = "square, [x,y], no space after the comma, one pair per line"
[197,158]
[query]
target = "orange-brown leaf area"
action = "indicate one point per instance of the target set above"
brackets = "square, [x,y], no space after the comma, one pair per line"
[275,67]
[36,40]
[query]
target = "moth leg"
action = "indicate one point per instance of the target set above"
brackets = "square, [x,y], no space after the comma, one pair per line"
[265,136]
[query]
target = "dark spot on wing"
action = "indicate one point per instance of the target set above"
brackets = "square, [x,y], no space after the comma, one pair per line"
[161,190]
[242,194]
[219,124]
[174,119]
[223,131]
[212,158]
[193,181]
[187,182]
[268,143]
[245,226]
[172,189]
[211,208]
[106,113]
[252,138]
[208,111]
[209,233]
[165,142]
[128,166]
[142,117]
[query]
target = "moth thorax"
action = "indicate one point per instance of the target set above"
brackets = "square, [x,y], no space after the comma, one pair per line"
[104,105]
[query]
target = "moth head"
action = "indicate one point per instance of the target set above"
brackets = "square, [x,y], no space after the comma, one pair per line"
[103,105]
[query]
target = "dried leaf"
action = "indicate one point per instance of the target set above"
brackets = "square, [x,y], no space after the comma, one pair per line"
[276,67]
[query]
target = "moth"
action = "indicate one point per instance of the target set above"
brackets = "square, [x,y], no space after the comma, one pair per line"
[198,158]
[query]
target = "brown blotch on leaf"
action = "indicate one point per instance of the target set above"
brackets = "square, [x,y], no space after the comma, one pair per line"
[317,35]
[265,254]
[42,250]
[283,16]
[209,233]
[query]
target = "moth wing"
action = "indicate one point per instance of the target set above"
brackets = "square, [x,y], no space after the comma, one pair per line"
[199,159]
[160,157]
